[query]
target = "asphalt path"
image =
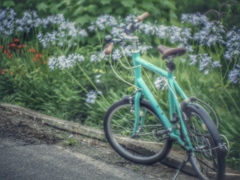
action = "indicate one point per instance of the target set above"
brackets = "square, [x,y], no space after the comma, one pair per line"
[24,159]
[31,150]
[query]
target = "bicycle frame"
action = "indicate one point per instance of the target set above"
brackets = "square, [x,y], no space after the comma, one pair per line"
[173,87]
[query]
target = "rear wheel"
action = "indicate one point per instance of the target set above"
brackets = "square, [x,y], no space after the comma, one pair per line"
[208,159]
[147,146]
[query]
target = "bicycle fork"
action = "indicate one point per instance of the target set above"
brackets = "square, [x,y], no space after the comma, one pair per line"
[137,99]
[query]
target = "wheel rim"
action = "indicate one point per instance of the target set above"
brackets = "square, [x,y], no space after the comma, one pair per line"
[205,156]
[146,144]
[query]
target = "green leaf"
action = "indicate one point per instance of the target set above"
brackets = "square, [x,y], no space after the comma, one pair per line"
[148,5]
[42,7]
[83,19]
[119,11]
[8,4]
[127,3]
[78,11]
[104,2]
[67,2]
[80,2]
[92,8]
[173,15]
[168,4]
[107,10]
[54,9]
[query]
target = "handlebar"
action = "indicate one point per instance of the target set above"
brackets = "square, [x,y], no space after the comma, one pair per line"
[143,16]
[109,49]
[130,28]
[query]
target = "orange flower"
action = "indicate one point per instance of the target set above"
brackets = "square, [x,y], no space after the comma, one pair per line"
[20,46]
[9,55]
[38,55]
[34,59]
[12,45]
[1,47]
[32,50]
[44,62]
[10,72]
[3,71]
[16,40]
[6,51]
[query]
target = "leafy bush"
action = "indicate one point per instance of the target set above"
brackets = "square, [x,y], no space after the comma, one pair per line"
[225,11]
[85,11]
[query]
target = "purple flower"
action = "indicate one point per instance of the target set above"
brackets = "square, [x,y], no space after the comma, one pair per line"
[234,75]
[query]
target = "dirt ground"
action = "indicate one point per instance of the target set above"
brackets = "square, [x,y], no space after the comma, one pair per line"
[34,132]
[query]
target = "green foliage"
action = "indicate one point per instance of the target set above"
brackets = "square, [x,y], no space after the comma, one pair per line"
[26,79]
[227,11]
[44,92]
[8,3]
[85,11]
[164,11]
[42,7]
[99,108]
[197,5]
[6,87]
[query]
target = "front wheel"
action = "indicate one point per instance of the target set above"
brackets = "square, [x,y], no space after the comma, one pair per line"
[208,159]
[146,145]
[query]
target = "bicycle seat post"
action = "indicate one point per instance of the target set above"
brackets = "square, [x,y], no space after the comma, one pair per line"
[170,64]
[135,44]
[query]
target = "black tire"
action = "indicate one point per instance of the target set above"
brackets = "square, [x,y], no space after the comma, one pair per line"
[208,159]
[147,147]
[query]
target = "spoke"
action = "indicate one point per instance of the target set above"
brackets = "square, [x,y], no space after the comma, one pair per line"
[206,165]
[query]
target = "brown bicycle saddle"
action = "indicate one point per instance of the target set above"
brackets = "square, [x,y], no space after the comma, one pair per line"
[166,51]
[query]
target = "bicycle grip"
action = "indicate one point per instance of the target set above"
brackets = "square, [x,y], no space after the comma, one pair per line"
[143,16]
[109,49]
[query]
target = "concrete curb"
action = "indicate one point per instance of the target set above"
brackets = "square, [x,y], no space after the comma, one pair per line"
[172,160]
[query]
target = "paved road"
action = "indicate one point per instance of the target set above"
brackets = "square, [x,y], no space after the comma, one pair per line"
[31,150]
[27,160]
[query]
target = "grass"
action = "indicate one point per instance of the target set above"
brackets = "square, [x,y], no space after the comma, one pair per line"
[70,142]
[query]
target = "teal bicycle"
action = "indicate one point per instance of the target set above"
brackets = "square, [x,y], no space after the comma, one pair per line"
[138,129]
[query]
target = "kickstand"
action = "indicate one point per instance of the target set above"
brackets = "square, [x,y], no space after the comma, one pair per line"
[181,166]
